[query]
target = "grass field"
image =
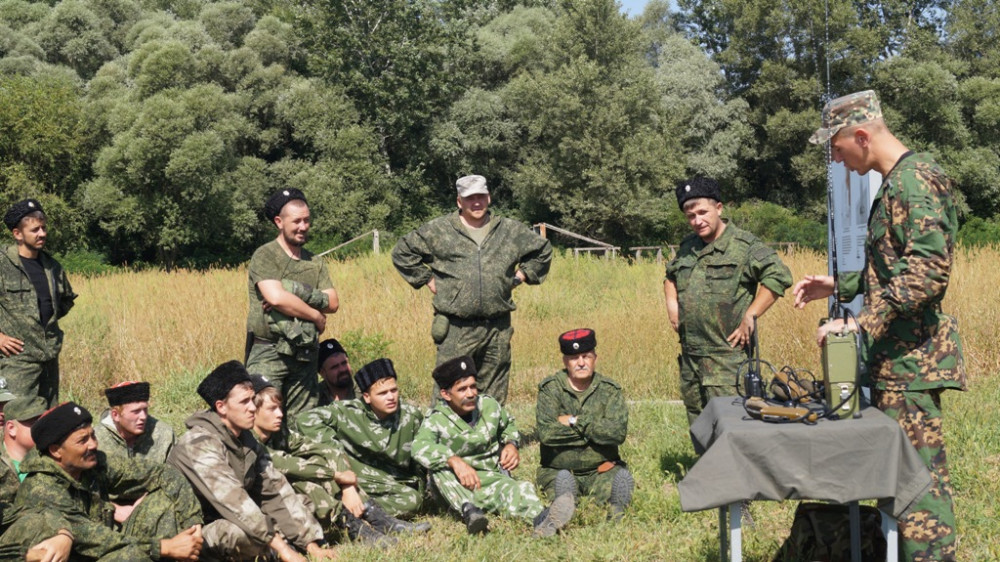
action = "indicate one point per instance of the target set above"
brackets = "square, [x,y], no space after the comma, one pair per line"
[170,329]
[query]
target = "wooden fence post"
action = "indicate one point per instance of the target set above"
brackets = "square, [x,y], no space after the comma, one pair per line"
[375,246]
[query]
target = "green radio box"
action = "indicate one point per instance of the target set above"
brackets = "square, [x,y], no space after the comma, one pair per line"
[840,374]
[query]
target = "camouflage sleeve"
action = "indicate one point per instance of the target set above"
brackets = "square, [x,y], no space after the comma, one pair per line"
[920,273]
[8,483]
[309,459]
[279,502]
[671,270]
[550,431]
[315,298]
[410,256]
[507,427]
[130,478]
[767,269]
[610,424]
[428,450]
[317,424]
[536,256]
[849,285]
[66,295]
[323,282]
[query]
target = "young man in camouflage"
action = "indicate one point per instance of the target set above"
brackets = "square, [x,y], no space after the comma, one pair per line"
[34,295]
[335,377]
[721,278]
[582,419]
[17,441]
[914,350]
[471,262]
[319,471]
[250,508]
[289,366]
[377,434]
[469,444]
[66,474]
[127,429]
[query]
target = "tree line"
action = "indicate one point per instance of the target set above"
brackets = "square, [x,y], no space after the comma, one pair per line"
[153,130]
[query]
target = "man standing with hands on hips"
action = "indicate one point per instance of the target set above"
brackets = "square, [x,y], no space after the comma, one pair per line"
[913,349]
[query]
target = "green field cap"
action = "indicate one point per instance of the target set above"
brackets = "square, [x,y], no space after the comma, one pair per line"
[845,111]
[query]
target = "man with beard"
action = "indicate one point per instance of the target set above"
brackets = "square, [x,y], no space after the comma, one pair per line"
[377,434]
[34,295]
[127,429]
[291,368]
[67,475]
[334,373]
[469,444]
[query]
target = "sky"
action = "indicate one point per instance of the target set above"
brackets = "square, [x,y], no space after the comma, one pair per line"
[633,7]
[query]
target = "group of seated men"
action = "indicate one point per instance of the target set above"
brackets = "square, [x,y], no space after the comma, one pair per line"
[244,482]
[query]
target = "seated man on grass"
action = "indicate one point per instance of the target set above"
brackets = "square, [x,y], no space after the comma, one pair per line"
[127,429]
[469,443]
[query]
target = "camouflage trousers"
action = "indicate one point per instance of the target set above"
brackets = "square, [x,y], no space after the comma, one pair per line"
[498,494]
[32,378]
[928,531]
[591,483]
[707,377]
[226,541]
[322,497]
[28,530]
[297,380]
[488,343]
[399,498]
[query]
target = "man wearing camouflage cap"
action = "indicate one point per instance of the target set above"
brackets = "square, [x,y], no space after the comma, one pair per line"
[471,262]
[127,429]
[469,444]
[289,364]
[582,419]
[5,396]
[914,350]
[34,294]
[376,431]
[721,278]
[17,439]
[335,382]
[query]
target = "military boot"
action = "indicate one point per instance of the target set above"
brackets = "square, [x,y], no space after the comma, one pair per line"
[474,518]
[360,531]
[387,524]
[555,517]
[621,493]
[565,483]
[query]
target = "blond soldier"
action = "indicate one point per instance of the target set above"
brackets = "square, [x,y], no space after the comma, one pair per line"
[127,429]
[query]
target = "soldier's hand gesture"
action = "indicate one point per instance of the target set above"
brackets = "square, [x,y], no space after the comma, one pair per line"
[466,475]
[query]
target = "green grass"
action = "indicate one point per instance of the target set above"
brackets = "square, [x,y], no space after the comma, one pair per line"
[170,329]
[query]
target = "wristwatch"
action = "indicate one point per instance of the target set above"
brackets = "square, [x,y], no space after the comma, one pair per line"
[572,421]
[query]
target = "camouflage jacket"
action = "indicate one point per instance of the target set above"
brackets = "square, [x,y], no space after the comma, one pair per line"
[236,481]
[271,263]
[717,282]
[478,442]
[293,334]
[472,281]
[85,503]
[19,315]
[601,423]
[9,479]
[154,444]
[303,459]
[908,254]
[382,444]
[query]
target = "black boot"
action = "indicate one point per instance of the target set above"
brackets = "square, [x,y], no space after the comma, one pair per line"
[474,518]
[388,524]
[361,531]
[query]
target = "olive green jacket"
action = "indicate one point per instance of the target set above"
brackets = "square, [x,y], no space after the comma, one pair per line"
[19,316]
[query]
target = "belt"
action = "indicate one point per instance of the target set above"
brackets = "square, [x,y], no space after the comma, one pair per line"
[494,321]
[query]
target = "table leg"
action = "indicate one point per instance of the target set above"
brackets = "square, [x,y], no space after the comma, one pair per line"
[735,532]
[891,532]
[854,512]
[723,532]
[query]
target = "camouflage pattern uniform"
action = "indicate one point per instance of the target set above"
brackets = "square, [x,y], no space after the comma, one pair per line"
[310,465]
[169,508]
[245,499]
[379,451]
[293,375]
[715,285]
[914,351]
[9,477]
[478,442]
[296,337]
[34,371]
[601,426]
[474,284]
[154,444]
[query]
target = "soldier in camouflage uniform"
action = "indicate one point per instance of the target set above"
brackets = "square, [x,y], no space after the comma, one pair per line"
[377,434]
[914,352]
[289,363]
[469,444]
[17,441]
[336,382]
[471,262]
[67,475]
[127,429]
[720,279]
[34,295]
[250,508]
[582,419]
